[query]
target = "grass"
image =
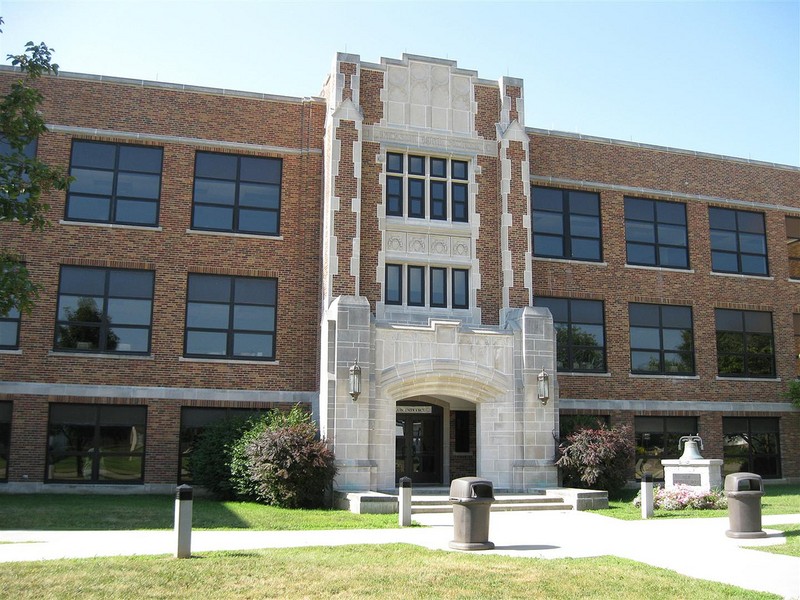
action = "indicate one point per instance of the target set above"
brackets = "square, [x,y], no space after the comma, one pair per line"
[90,512]
[792,545]
[777,500]
[393,571]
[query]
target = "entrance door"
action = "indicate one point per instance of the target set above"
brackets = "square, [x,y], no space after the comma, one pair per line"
[418,444]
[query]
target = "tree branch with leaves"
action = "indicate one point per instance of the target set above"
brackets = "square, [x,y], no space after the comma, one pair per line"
[24,179]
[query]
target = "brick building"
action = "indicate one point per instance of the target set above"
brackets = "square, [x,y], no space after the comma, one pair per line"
[226,251]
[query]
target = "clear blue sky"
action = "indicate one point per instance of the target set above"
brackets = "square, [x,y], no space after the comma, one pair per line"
[716,76]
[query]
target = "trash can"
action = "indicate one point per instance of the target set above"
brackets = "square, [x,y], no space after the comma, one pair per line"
[472,499]
[744,491]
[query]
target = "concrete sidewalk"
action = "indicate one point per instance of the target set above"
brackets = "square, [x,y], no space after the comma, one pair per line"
[695,547]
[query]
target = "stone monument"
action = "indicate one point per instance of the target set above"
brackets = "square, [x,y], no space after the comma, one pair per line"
[691,468]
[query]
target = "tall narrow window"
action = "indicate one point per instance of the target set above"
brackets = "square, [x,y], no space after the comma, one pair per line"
[661,339]
[580,334]
[104,310]
[394,284]
[738,241]
[566,224]
[114,183]
[458,191]
[9,330]
[240,194]
[745,346]
[655,233]
[460,288]
[438,287]
[793,246]
[96,443]
[796,322]
[231,317]
[416,286]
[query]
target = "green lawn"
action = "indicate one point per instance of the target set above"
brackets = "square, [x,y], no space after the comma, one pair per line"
[393,571]
[792,545]
[777,500]
[90,512]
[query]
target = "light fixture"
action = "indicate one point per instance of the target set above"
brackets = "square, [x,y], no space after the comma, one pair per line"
[355,381]
[543,386]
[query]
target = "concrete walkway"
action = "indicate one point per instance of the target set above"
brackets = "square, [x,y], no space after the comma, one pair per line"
[695,547]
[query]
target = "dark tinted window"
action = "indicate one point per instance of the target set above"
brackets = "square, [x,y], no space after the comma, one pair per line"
[738,241]
[655,233]
[580,333]
[661,339]
[745,346]
[566,224]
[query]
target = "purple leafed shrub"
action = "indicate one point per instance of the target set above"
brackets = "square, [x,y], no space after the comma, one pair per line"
[598,458]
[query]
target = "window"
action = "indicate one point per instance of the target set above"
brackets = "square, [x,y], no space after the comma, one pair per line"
[569,424]
[104,310]
[240,194]
[656,439]
[566,224]
[9,330]
[96,443]
[5,438]
[114,183]
[661,339]
[193,422]
[463,431]
[738,241]
[655,233]
[16,175]
[580,334]
[415,277]
[231,317]
[751,445]
[420,186]
[744,343]
[793,246]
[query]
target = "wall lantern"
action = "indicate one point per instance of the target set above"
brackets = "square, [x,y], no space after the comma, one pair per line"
[543,387]
[355,381]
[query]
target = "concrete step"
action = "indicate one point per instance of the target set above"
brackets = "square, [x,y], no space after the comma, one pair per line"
[521,502]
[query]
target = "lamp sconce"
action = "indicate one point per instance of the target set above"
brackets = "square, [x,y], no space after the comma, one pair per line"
[543,387]
[355,381]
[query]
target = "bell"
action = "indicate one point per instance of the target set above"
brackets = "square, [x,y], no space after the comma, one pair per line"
[690,451]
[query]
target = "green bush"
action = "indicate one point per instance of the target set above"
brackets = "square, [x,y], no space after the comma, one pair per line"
[290,467]
[598,458]
[241,482]
[210,460]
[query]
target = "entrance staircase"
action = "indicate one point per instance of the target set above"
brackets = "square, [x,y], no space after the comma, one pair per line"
[437,500]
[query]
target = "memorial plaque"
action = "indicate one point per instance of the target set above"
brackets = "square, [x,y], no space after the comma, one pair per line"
[692,479]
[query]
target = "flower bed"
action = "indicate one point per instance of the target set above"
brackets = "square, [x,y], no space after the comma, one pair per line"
[681,497]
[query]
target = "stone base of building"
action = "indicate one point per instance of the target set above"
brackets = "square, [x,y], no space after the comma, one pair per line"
[37,487]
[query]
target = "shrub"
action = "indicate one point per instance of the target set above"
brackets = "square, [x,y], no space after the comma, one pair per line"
[682,496]
[210,460]
[290,467]
[598,458]
[242,483]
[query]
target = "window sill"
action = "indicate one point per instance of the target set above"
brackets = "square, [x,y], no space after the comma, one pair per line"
[427,225]
[16,351]
[583,374]
[59,353]
[661,376]
[742,276]
[750,379]
[654,268]
[111,225]
[256,236]
[229,361]
[594,263]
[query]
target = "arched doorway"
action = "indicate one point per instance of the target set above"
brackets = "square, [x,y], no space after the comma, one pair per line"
[418,442]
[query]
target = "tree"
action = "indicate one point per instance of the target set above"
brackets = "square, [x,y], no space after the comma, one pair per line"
[598,458]
[23,177]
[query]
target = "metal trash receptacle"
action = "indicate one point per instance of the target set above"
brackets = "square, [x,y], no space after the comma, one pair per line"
[472,499]
[744,492]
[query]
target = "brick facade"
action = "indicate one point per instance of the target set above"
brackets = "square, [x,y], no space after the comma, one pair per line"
[334,240]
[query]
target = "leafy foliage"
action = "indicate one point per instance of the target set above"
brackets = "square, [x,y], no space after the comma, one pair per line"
[598,458]
[793,393]
[23,177]
[290,467]
[210,460]
[241,482]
